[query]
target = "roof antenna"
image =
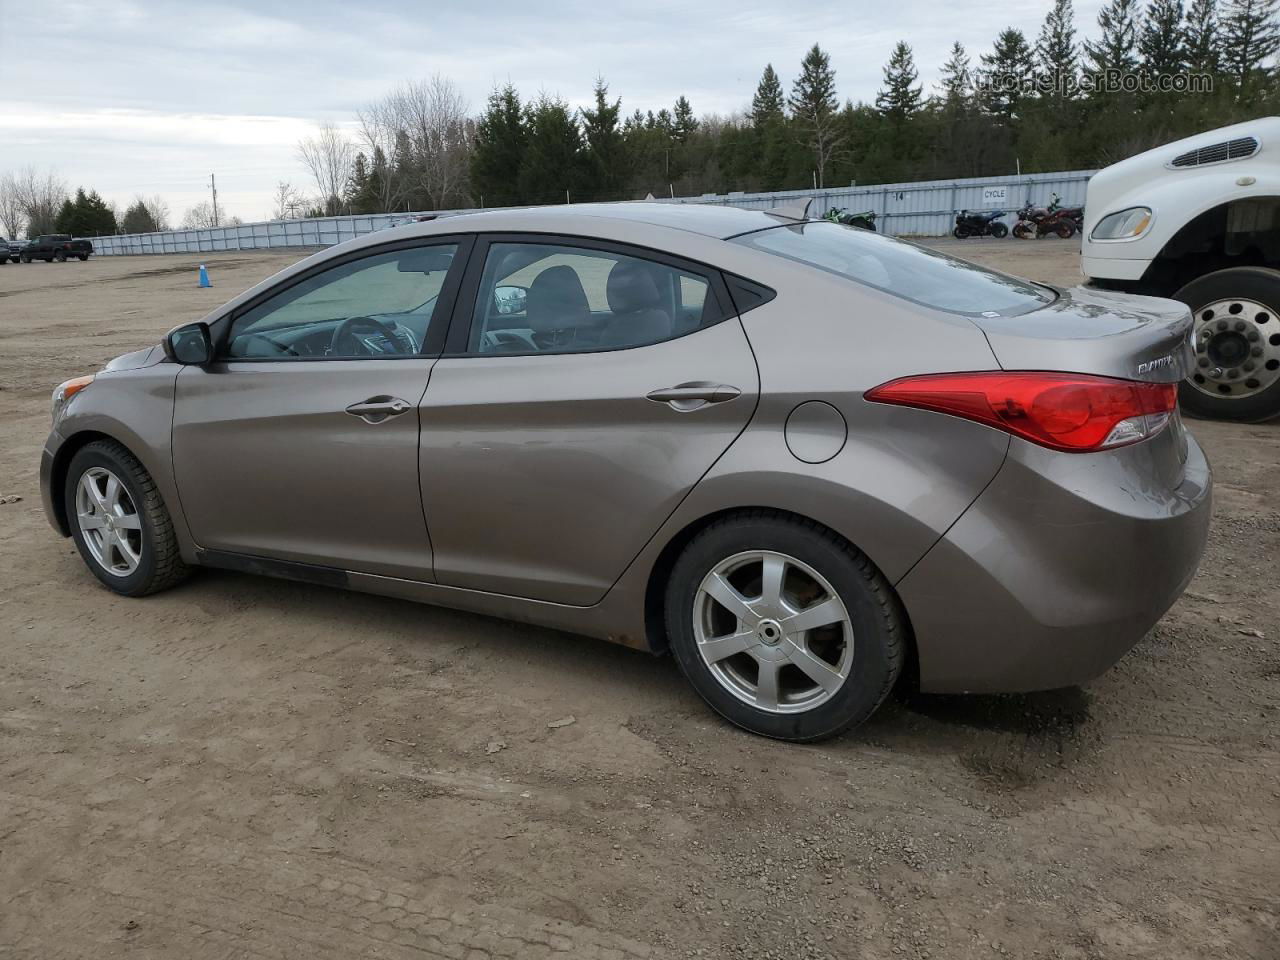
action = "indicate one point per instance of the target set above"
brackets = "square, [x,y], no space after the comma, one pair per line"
[796,210]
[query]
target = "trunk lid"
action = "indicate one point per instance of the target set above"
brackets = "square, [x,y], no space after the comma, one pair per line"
[1099,332]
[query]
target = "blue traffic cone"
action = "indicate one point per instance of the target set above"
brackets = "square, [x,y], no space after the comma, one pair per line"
[204,277]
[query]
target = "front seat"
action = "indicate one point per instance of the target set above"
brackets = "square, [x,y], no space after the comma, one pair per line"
[556,307]
[636,302]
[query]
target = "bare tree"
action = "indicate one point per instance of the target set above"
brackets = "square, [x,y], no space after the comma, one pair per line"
[12,216]
[418,139]
[434,114]
[199,217]
[330,156]
[40,196]
[380,132]
[158,209]
[288,202]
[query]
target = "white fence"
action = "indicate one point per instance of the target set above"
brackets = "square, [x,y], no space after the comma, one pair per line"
[925,209]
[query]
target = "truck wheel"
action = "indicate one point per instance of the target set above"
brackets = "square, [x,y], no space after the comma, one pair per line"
[83,257]
[60,257]
[1237,324]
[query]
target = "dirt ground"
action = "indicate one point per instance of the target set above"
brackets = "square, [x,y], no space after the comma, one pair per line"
[245,767]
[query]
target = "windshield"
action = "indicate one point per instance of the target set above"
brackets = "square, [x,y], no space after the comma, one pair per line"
[903,269]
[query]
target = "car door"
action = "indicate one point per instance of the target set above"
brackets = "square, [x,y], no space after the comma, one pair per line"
[592,388]
[300,441]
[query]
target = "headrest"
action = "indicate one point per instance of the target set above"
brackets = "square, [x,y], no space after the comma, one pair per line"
[556,300]
[632,286]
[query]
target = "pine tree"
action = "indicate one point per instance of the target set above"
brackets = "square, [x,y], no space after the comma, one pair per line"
[900,98]
[1161,40]
[683,122]
[552,160]
[768,103]
[1056,50]
[1201,36]
[1005,72]
[605,147]
[499,149]
[138,219]
[1250,38]
[956,82]
[87,215]
[814,107]
[1116,48]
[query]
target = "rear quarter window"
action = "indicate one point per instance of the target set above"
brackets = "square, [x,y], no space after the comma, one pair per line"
[902,269]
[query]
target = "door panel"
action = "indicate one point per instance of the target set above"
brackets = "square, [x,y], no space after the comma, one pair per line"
[544,475]
[269,462]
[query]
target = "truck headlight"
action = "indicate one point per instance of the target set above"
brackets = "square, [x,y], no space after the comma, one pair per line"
[65,391]
[1123,225]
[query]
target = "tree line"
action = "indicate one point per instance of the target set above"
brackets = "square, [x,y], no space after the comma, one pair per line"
[1054,101]
[37,202]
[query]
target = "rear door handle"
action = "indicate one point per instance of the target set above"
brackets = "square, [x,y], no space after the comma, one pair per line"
[690,396]
[377,409]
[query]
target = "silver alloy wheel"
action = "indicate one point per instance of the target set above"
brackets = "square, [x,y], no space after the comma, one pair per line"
[773,631]
[1237,348]
[109,521]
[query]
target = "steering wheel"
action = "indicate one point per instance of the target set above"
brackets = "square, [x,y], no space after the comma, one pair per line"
[344,343]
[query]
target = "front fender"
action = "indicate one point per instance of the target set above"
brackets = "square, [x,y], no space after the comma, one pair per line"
[135,408]
[1174,201]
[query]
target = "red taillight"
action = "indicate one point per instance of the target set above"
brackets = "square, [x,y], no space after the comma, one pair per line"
[1064,411]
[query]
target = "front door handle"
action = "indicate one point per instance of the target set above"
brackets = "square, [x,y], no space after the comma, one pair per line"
[378,409]
[690,396]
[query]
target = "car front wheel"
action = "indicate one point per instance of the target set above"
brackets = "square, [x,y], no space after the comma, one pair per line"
[119,522]
[782,627]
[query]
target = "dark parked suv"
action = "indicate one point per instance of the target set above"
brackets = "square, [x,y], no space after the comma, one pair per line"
[56,246]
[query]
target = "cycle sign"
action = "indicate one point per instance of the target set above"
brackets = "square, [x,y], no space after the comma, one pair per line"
[995,196]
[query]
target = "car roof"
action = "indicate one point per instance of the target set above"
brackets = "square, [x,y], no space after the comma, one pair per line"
[708,220]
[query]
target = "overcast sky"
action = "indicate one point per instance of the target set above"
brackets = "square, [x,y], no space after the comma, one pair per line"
[151,97]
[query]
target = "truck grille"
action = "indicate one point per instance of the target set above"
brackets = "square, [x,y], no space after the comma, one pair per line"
[1217,153]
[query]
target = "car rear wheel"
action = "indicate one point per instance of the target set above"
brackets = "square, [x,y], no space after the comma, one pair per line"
[1237,372]
[83,257]
[782,627]
[119,522]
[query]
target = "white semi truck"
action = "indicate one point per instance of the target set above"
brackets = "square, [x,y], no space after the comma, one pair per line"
[1198,220]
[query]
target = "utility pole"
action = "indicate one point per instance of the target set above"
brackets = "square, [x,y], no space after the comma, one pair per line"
[213,185]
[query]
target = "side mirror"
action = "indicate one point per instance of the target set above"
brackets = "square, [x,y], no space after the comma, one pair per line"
[510,299]
[189,344]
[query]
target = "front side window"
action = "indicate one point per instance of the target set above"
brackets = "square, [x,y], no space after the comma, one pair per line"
[903,269]
[377,306]
[552,298]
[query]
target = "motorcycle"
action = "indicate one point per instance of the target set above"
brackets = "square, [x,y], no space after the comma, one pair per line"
[981,223]
[1035,222]
[866,220]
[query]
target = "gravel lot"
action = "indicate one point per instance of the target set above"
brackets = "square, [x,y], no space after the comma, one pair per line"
[256,768]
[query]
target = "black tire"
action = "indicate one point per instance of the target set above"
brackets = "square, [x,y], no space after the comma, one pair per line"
[879,625]
[60,257]
[999,230]
[1065,230]
[83,257]
[1262,285]
[23,258]
[959,234]
[160,565]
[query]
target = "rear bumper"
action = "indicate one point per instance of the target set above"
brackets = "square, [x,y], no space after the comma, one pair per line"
[1061,565]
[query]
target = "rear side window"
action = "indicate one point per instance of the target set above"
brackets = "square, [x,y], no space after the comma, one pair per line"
[903,269]
[557,298]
